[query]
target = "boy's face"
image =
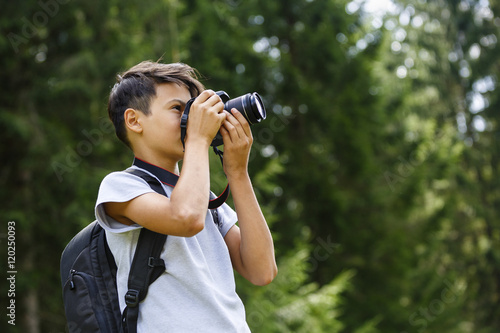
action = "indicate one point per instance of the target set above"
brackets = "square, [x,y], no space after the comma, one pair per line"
[161,127]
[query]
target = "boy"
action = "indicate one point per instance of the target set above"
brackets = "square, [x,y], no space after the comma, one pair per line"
[196,293]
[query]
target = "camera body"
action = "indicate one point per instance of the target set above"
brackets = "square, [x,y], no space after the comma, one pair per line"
[249,105]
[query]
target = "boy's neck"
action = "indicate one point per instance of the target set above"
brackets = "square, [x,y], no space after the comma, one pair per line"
[170,166]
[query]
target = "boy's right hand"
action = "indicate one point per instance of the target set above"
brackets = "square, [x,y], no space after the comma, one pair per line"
[205,117]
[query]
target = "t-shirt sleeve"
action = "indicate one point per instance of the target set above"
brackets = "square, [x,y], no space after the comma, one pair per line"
[227,218]
[118,187]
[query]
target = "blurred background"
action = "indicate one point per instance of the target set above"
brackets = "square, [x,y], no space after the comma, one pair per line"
[377,167]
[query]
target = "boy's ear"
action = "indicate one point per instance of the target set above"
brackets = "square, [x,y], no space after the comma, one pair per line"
[131,119]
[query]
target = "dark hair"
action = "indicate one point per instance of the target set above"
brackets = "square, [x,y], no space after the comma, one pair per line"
[136,87]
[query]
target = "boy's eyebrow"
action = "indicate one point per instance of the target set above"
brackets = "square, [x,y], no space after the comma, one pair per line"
[180,101]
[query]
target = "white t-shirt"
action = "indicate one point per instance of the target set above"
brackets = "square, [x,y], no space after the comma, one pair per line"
[197,291]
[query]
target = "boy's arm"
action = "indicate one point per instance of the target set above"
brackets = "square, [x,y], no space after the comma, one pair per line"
[251,245]
[178,215]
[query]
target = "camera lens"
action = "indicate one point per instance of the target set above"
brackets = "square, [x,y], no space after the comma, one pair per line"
[250,106]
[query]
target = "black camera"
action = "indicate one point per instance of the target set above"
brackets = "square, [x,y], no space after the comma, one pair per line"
[249,105]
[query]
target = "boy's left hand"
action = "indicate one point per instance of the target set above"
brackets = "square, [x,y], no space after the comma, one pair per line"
[238,140]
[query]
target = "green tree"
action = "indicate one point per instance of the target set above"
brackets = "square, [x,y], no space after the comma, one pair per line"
[438,49]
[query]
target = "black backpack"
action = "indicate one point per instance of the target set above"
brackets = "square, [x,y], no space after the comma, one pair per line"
[88,276]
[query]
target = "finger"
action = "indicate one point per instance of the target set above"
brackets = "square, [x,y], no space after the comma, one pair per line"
[209,101]
[204,96]
[214,99]
[234,125]
[226,137]
[230,117]
[214,104]
[234,133]
[241,119]
[222,118]
[230,124]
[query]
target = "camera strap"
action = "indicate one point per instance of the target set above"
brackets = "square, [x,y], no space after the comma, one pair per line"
[170,179]
[184,120]
[223,197]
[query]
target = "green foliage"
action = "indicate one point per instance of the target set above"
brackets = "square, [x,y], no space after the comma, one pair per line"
[291,304]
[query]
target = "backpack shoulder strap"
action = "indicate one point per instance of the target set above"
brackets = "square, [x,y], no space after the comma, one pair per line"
[147,265]
[152,181]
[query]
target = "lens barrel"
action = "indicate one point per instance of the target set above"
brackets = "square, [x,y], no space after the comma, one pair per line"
[249,105]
